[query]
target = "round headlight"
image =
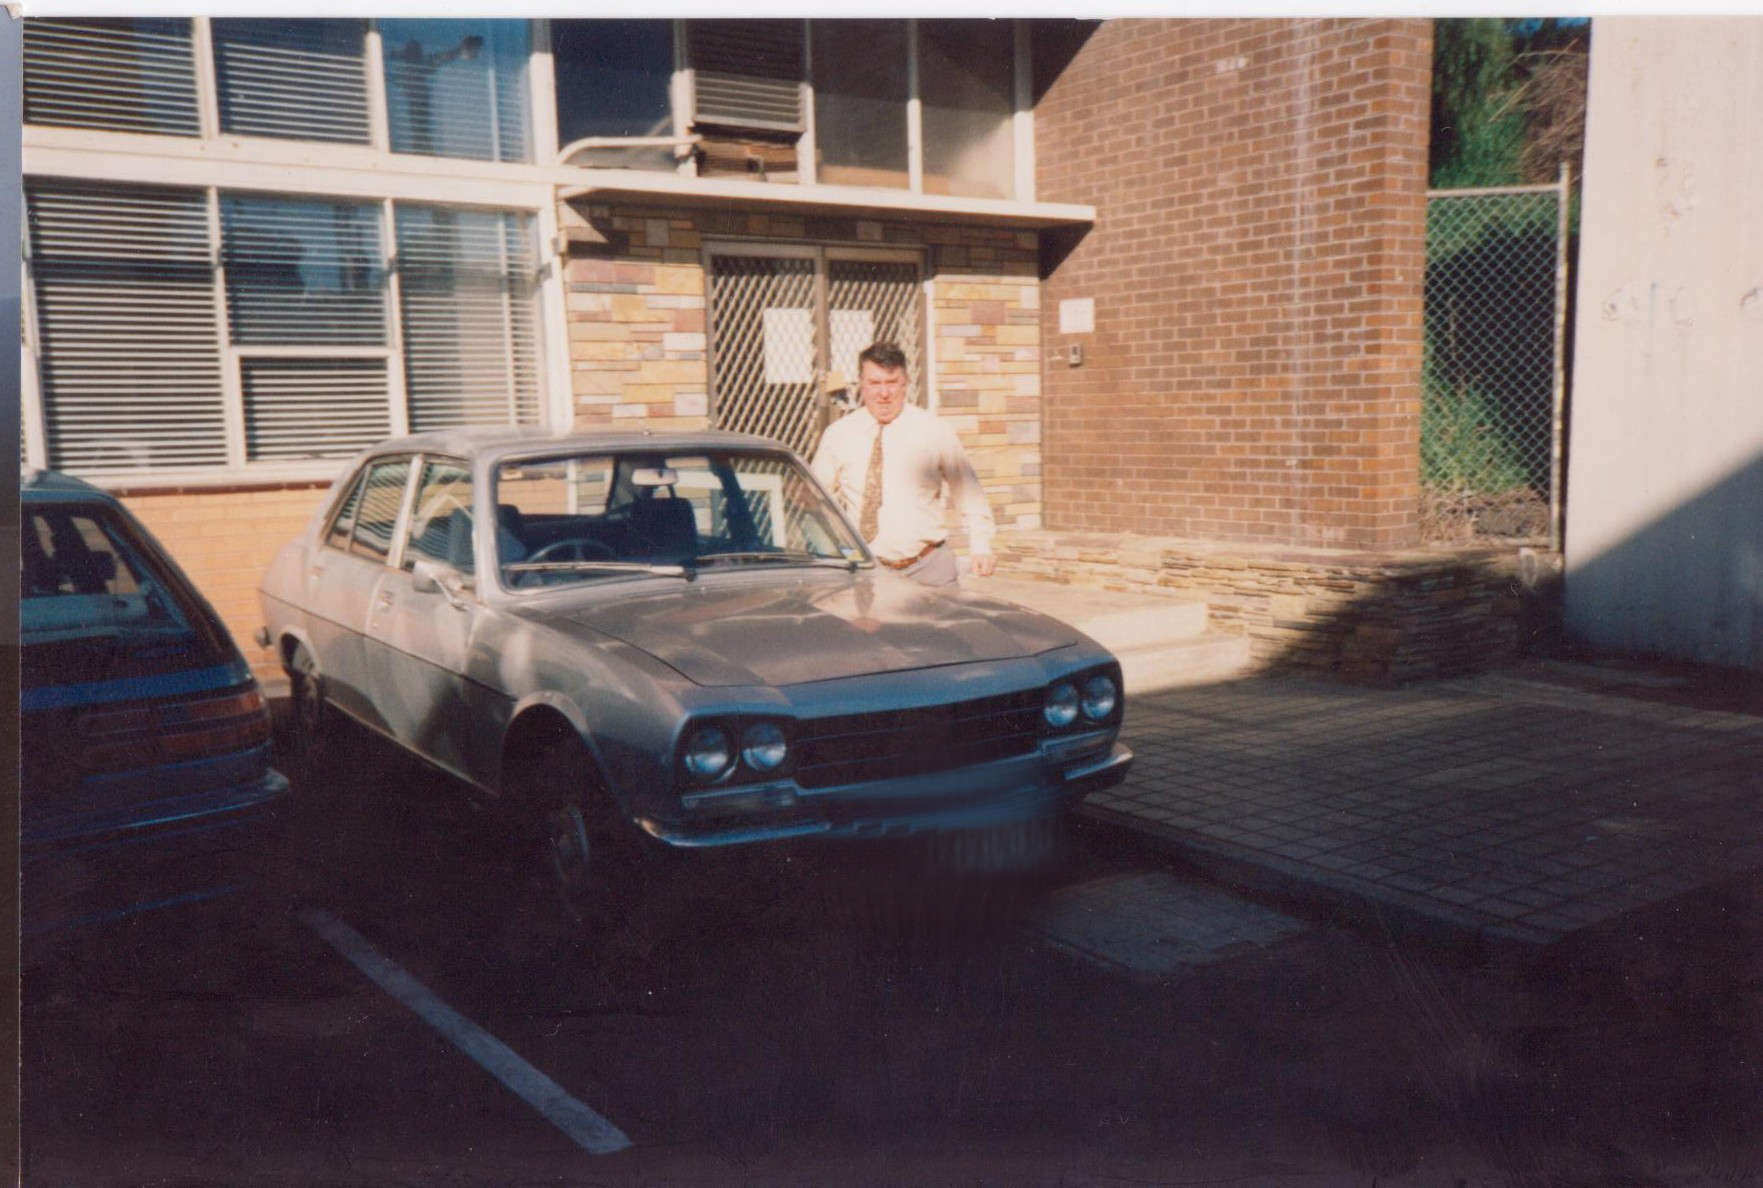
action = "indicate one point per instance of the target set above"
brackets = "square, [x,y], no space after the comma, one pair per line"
[1061,708]
[708,753]
[1100,697]
[763,746]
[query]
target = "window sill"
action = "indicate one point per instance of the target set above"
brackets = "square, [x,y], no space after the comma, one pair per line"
[306,476]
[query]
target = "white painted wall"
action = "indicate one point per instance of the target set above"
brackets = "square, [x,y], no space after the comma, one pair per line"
[1665,457]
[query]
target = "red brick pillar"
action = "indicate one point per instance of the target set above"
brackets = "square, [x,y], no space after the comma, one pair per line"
[1256,269]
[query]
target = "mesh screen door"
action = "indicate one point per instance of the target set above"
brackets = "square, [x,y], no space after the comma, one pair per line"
[781,320]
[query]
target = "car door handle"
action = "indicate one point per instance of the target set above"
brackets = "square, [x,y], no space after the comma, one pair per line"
[385,599]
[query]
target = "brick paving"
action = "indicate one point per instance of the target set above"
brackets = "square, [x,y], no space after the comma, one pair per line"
[1511,807]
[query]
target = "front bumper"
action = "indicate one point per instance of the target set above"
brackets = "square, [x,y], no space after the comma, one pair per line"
[1042,784]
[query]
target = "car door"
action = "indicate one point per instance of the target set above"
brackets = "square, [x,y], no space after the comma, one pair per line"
[342,577]
[419,640]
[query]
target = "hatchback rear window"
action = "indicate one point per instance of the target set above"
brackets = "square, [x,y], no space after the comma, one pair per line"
[97,602]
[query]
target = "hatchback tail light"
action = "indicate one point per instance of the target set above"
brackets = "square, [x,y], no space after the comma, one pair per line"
[175,730]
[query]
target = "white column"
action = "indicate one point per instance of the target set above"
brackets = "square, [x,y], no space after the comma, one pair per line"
[378,121]
[207,88]
[542,94]
[1024,118]
[232,390]
[914,113]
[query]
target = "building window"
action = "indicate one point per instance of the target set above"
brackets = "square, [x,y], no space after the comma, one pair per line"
[966,72]
[304,271]
[470,343]
[128,337]
[301,80]
[457,88]
[860,102]
[615,80]
[138,371]
[128,75]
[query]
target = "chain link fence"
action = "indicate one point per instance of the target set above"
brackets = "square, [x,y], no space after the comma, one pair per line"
[1493,379]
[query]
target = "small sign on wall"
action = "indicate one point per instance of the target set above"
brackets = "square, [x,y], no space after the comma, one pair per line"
[1077,315]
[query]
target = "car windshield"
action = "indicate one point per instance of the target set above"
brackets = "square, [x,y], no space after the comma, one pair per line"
[587,517]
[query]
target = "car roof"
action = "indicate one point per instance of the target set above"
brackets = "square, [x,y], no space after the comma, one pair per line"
[52,484]
[494,441]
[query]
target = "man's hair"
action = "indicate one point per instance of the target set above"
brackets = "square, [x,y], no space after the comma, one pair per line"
[886,355]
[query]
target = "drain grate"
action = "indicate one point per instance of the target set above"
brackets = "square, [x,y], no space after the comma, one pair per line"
[1148,922]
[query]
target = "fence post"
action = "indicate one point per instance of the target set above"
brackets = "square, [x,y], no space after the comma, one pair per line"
[1557,505]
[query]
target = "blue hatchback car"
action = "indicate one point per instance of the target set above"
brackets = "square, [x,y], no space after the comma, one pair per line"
[145,775]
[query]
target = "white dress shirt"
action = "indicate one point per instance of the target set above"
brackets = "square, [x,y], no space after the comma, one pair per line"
[920,453]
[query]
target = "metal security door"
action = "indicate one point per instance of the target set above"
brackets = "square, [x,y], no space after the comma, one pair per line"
[787,321]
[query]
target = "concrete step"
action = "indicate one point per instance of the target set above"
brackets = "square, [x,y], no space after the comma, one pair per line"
[1161,641]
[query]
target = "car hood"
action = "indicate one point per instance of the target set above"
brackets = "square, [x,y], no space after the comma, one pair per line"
[819,627]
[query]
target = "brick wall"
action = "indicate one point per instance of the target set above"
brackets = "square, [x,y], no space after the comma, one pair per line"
[637,316]
[1256,267]
[224,540]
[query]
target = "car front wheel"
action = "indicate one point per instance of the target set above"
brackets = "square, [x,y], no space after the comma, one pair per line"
[579,866]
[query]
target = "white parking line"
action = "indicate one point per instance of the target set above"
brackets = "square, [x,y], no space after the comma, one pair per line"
[589,1130]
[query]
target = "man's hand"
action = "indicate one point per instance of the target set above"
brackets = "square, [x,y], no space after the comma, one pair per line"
[984,565]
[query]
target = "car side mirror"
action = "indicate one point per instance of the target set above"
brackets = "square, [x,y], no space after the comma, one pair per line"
[431,577]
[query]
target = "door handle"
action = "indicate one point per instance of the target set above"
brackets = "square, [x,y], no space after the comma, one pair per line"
[385,599]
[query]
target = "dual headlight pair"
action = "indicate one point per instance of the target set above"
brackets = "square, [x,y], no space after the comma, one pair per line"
[711,750]
[1092,698]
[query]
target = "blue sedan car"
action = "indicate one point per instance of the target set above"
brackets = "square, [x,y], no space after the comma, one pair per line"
[145,777]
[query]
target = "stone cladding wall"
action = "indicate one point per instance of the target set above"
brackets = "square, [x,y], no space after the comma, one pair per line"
[1378,618]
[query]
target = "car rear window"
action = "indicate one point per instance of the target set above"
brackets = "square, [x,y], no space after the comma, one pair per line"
[98,602]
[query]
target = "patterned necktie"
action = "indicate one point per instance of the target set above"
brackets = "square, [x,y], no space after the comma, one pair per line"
[869,521]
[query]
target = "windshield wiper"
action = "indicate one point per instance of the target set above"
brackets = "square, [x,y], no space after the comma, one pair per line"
[791,556]
[597,566]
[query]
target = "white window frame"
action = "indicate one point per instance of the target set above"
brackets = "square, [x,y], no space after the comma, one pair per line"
[685,107]
[216,162]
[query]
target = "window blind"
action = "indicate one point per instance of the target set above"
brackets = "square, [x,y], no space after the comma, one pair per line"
[470,346]
[748,73]
[303,271]
[129,75]
[312,408]
[129,336]
[300,79]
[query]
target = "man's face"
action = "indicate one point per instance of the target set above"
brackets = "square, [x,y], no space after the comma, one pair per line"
[883,389]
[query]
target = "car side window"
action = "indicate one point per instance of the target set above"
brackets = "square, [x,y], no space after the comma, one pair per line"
[440,525]
[343,523]
[381,495]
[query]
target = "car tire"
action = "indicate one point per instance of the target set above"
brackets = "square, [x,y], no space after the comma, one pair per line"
[308,716]
[579,866]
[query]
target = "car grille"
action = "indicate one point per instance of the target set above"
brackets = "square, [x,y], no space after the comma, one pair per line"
[855,748]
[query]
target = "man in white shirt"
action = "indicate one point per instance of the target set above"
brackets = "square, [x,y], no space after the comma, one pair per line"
[886,464]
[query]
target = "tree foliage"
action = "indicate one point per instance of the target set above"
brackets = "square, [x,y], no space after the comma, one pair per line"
[1508,100]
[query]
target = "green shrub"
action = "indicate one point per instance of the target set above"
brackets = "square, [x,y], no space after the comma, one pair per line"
[1465,444]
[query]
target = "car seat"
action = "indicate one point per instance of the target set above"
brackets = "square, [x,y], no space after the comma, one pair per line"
[668,526]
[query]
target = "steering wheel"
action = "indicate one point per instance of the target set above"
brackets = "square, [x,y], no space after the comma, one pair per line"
[572,548]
